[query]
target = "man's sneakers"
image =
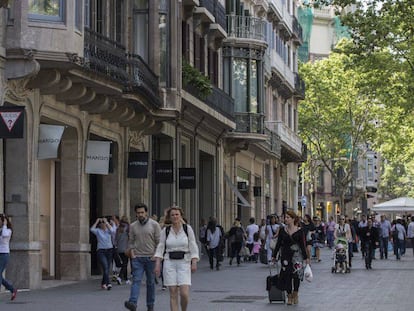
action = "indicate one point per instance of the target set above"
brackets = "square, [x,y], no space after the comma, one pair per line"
[106,286]
[14,294]
[130,306]
[118,280]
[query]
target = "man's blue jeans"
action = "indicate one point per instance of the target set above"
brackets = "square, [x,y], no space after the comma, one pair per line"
[384,247]
[139,265]
[4,259]
[105,259]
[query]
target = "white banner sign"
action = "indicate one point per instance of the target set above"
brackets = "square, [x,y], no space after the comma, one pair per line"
[49,140]
[97,157]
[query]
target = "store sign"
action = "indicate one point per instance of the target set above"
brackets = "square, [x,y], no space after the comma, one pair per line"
[97,157]
[49,140]
[163,172]
[138,165]
[187,178]
[11,121]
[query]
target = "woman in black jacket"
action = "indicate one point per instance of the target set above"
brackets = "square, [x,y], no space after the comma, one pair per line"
[291,243]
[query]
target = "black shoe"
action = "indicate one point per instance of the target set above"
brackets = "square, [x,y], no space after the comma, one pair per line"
[231,262]
[367,267]
[150,308]
[130,306]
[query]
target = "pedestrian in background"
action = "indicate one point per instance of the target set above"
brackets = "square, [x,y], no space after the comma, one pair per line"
[237,236]
[251,229]
[369,235]
[410,232]
[103,230]
[214,241]
[385,231]
[318,238]
[398,235]
[308,228]
[5,236]
[121,240]
[144,236]
[330,229]
[179,251]
[202,236]
[272,232]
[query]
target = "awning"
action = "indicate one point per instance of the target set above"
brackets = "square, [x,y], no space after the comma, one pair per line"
[243,201]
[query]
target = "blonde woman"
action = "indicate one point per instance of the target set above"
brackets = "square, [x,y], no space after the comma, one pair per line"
[178,248]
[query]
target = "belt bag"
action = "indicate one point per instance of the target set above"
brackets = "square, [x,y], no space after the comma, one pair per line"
[176,255]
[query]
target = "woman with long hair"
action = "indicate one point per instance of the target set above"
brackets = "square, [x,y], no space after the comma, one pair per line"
[5,235]
[291,243]
[103,231]
[178,248]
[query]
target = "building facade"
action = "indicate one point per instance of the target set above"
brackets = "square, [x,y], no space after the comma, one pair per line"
[204,92]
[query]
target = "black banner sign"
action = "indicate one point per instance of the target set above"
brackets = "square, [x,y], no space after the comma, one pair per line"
[163,172]
[138,165]
[11,121]
[187,178]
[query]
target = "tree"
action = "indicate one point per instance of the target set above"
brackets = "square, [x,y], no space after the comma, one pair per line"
[336,117]
[382,32]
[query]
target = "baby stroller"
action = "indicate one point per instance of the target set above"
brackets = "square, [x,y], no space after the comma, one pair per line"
[341,257]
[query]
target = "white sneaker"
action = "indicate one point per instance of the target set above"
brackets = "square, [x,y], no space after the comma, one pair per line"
[118,280]
[128,282]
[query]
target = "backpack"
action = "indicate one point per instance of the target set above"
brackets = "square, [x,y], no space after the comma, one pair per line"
[395,233]
[168,228]
[167,232]
[239,235]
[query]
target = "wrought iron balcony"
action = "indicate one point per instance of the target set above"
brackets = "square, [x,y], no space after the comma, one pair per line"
[299,86]
[104,56]
[217,100]
[297,29]
[245,27]
[141,77]
[273,141]
[217,10]
[109,58]
[247,122]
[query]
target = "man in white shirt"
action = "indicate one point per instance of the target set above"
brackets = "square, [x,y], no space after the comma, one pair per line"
[251,229]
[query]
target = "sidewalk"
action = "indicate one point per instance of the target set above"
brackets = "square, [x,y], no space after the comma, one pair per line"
[388,286]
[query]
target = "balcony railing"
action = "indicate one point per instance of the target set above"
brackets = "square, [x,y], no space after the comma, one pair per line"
[245,27]
[297,28]
[273,141]
[284,70]
[217,10]
[217,100]
[247,122]
[287,135]
[281,9]
[299,86]
[109,58]
[141,76]
[104,56]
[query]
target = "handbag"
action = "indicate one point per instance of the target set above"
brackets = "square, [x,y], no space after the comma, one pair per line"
[272,243]
[176,255]
[308,273]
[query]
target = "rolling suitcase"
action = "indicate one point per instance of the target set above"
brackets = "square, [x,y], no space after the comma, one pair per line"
[275,294]
[263,256]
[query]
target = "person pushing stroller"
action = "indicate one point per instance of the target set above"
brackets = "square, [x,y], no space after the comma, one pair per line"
[343,235]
